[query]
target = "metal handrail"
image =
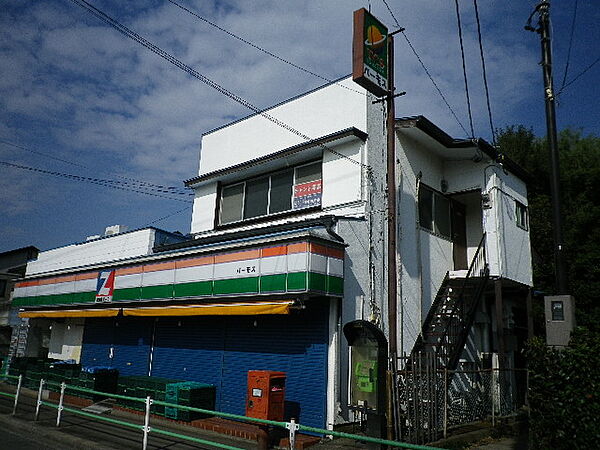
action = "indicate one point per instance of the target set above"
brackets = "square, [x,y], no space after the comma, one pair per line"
[465,311]
[292,426]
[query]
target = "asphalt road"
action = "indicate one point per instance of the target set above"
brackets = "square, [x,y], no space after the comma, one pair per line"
[77,432]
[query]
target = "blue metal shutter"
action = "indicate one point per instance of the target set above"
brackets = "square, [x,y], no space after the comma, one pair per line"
[296,344]
[189,348]
[132,342]
[221,351]
[97,342]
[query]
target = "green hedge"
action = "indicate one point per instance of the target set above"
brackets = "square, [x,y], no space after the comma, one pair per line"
[564,393]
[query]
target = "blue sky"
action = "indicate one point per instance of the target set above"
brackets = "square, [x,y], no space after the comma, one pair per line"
[82,99]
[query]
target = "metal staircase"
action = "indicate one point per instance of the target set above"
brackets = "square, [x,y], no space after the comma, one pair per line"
[451,315]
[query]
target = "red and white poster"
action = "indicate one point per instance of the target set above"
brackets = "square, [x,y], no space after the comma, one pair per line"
[307,195]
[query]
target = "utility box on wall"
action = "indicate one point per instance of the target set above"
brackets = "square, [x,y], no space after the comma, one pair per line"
[560,319]
[266,395]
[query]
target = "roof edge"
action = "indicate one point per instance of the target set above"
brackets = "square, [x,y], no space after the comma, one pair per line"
[426,126]
[352,131]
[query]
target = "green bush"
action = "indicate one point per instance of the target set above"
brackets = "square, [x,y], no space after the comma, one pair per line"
[564,393]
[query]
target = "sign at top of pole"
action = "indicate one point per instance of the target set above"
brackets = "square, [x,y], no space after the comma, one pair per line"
[369,53]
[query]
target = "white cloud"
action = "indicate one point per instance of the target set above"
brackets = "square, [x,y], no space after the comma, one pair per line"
[97,97]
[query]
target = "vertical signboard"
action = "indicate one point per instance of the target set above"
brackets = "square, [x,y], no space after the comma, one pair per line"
[105,286]
[369,53]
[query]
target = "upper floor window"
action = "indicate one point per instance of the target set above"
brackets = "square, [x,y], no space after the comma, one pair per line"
[434,211]
[291,189]
[521,214]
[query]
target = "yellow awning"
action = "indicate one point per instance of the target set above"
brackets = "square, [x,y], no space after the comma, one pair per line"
[212,309]
[105,312]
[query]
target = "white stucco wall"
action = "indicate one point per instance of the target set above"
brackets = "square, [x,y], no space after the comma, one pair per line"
[343,187]
[424,257]
[342,174]
[203,213]
[316,114]
[464,175]
[126,245]
[509,246]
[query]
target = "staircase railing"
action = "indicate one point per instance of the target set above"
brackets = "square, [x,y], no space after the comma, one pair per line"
[448,341]
[457,329]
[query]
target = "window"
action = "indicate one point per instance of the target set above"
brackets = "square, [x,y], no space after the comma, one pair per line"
[434,211]
[521,215]
[291,189]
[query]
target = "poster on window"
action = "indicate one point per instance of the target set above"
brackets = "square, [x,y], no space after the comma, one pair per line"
[307,195]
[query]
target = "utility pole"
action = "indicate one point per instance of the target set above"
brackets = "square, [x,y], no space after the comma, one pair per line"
[392,220]
[543,29]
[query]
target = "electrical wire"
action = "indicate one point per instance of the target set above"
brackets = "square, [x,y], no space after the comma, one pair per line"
[204,79]
[464,66]
[425,69]
[98,181]
[483,69]
[144,184]
[267,52]
[570,45]
[578,76]
[179,211]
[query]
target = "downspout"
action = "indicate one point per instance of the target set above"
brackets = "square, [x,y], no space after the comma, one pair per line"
[419,257]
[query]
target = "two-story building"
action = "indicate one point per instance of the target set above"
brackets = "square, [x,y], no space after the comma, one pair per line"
[289,243]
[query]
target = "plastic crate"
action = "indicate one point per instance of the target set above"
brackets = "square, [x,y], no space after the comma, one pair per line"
[195,395]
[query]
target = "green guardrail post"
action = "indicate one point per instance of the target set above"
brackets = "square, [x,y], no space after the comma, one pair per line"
[293,427]
[147,423]
[39,399]
[19,383]
[63,386]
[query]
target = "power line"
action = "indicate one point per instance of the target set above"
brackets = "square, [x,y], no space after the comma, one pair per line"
[483,69]
[162,188]
[98,181]
[179,211]
[570,45]
[464,66]
[578,76]
[267,52]
[177,63]
[391,13]
[437,88]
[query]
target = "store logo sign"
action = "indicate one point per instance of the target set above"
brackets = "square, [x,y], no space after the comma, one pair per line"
[105,286]
[370,53]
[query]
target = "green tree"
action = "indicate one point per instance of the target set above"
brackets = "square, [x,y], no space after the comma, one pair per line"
[564,389]
[580,185]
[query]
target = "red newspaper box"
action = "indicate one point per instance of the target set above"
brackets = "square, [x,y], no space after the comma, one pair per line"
[266,394]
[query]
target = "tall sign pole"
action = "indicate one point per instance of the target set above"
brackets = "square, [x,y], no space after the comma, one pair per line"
[392,214]
[373,69]
[543,8]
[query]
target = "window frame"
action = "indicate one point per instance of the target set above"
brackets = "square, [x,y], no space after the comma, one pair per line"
[219,223]
[521,215]
[434,228]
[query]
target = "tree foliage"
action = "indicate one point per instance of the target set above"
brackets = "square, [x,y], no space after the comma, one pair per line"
[564,390]
[579,159]
[564,386]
